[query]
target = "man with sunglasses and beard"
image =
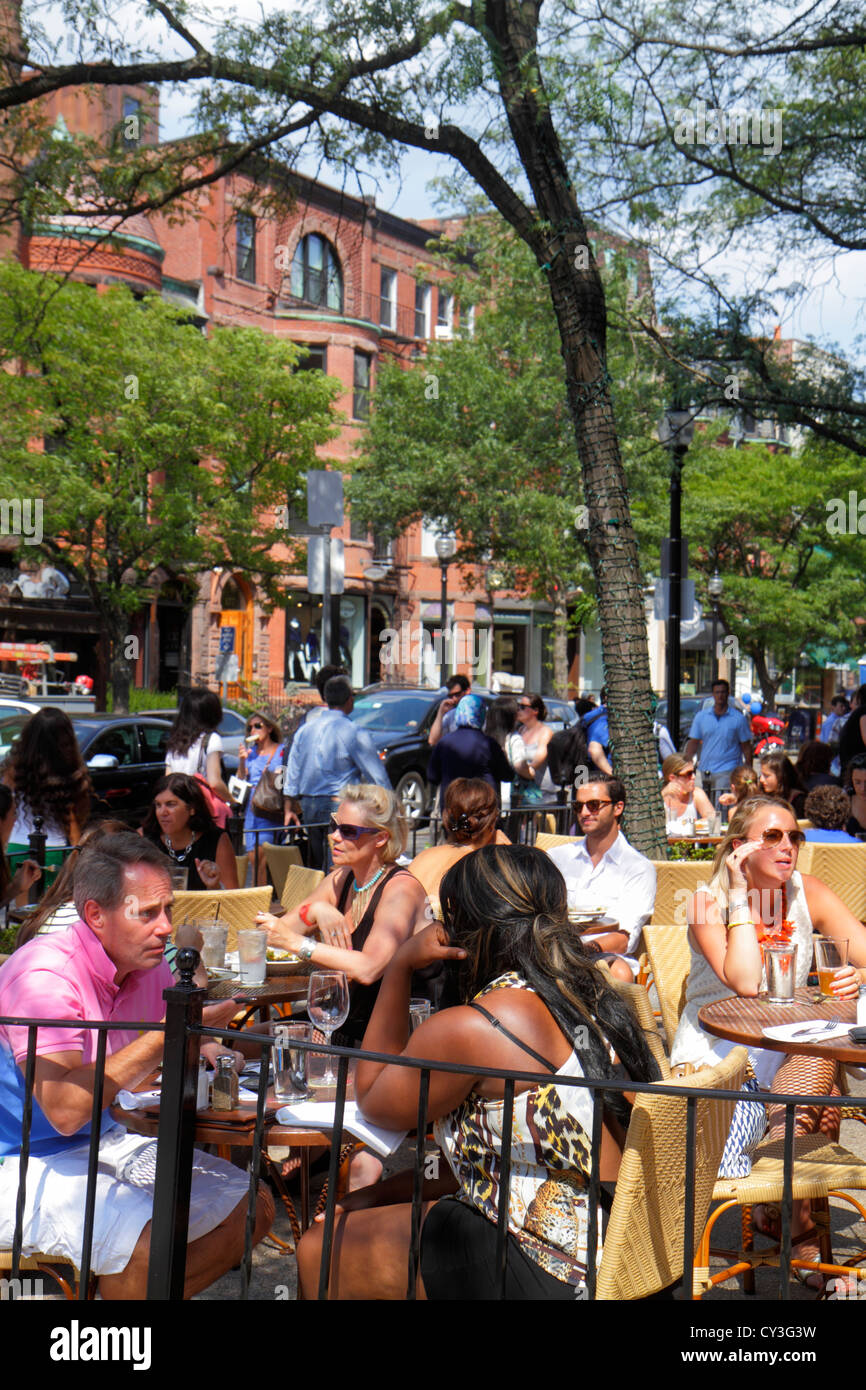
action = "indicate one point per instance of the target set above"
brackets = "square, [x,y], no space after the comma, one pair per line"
[327,754]
[604,867]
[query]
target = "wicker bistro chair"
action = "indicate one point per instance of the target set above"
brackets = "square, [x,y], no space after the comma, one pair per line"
[842,868]
[242,864]
[545,840]
[236,907]
[643,1248]
[821,1169]
[667,950]
[299,884]
[639,1002]
[279,859]
[675,882]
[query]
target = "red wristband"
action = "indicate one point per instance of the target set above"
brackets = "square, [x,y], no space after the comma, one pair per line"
[302,913]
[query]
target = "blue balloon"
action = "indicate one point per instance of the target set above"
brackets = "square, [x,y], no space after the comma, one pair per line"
[757,706]
[746,699]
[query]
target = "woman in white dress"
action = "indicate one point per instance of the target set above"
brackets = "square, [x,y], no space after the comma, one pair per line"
[756,892]
[684,802]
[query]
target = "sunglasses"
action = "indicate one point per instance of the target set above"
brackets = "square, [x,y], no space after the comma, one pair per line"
[796,838]
[257,725]
[350,832]
[524,704]
[593,806]
[687,772]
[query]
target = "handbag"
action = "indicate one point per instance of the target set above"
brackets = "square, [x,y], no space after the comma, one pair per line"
[268,795]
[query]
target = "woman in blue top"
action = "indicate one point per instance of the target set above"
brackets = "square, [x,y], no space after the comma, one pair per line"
[262,749]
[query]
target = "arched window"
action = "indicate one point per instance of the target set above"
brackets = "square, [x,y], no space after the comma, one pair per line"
[316,274]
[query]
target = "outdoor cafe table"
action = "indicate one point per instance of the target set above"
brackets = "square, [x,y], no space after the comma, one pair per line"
[742,1020]
[226,1129]
[277,989]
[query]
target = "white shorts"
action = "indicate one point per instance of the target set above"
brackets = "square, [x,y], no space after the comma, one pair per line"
[56,1187]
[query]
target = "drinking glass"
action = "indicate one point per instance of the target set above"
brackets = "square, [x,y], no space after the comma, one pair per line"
[830,957]
[252,955]
[215,939]
[290,1063]
[419,1012]
[780,963]
[179,878]
[328,1008]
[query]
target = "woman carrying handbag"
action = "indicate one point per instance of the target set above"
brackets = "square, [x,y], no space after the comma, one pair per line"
[261,764]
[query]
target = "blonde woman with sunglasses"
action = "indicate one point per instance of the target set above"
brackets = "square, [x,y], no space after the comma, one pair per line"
[364,909]
[757,892]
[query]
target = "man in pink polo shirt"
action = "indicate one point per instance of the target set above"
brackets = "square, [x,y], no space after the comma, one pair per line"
[109,967]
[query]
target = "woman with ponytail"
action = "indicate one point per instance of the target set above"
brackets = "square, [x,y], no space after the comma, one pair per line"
[469,819]
[546,1009]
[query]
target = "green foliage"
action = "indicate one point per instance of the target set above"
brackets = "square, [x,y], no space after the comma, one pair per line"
[478,435]
[761,518]
[164,448]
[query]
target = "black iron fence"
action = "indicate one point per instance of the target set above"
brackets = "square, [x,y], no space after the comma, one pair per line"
[183,1032]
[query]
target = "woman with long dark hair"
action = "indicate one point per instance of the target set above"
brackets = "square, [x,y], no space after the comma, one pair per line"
[546,1008]
[194,747]
[778,777]
[46,774]
[12,885]
[180,823]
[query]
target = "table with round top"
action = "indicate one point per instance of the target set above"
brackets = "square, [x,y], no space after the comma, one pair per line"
[741,1020]
[283,989]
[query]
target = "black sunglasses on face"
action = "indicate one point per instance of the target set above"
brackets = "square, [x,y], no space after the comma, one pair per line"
[350,832]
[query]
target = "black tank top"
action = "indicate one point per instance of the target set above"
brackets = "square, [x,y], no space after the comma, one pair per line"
[362,998]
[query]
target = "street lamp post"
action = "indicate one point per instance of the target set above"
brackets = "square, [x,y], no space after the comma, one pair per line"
[446,549]
[675,431]
[715,585]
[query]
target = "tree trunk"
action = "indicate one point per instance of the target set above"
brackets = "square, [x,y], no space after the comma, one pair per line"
[768,685]
[560,646]
[563,251]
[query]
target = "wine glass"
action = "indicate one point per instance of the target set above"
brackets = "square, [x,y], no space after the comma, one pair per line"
[328,1008]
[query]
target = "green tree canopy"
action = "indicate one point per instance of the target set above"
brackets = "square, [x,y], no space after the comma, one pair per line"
[162,447]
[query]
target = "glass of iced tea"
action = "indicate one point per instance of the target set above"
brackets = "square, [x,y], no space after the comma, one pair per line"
[830,957]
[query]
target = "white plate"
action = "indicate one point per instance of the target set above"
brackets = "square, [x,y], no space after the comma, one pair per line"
[783,1032]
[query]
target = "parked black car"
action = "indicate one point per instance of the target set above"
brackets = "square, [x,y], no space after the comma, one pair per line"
[399,718]
[125,756]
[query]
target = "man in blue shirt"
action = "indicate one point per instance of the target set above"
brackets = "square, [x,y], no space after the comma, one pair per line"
[724,738]
[327,754]
[595,727]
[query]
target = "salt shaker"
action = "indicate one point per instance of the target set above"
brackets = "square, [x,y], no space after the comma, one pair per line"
[225,1085]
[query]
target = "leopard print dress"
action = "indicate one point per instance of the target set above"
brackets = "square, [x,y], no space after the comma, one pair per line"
[548,1201]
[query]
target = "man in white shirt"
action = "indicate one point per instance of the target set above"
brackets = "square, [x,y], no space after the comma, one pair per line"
[605,867]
